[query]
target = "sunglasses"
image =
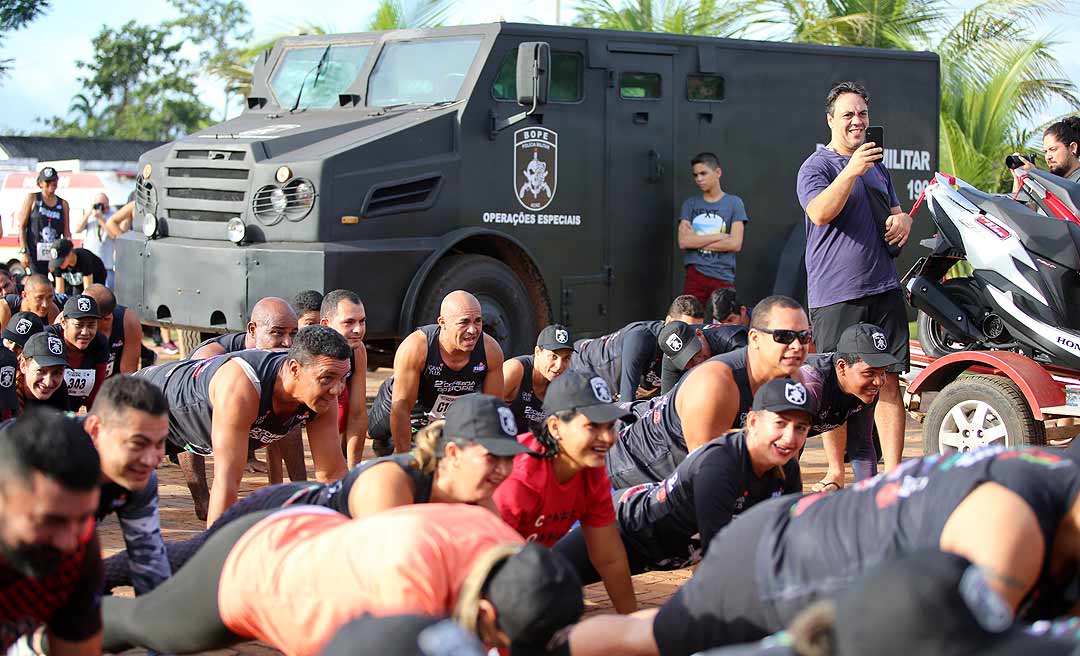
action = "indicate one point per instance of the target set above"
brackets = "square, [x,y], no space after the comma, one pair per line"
[785,336]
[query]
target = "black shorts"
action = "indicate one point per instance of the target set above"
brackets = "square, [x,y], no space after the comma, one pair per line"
[887,310]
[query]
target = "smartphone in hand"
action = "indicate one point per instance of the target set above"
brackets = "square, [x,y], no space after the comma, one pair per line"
[876,134]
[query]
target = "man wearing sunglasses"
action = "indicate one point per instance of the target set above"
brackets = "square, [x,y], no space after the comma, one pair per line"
[713,398]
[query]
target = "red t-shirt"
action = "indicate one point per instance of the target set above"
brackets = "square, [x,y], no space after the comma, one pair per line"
[532,501]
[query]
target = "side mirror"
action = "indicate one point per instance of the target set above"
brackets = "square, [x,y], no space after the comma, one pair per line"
[533,73]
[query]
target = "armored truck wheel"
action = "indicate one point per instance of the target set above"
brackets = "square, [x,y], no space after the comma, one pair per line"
[976,411]
[509,316]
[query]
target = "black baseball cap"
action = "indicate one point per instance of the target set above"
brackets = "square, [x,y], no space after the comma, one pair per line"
[555,337]
[47,174]
[486,420]
[22,326]
[46,349]
[931,603]
[81,307]
[869,343]
[60,250]
[403,635]
[678,340]
[536,594]
[783,394]
[586,392]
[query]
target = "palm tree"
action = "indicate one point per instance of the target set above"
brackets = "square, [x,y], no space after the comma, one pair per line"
[705,17]
[901,24]
[402,14]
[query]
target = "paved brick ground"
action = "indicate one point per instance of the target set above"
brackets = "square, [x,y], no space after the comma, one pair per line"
[179,522]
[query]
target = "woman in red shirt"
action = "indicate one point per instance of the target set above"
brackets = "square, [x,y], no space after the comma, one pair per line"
[565,480]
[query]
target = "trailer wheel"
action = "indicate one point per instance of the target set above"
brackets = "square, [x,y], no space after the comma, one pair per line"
[508,314]
[934,339]
[979,410]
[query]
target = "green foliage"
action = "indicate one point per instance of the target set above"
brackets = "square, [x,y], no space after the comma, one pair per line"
[703,17]
[900,24]
[15,14]
[403,14]
[136,86]
[221,29]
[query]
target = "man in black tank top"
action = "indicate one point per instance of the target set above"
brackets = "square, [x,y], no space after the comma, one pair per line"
[272,325]
[713,398]
[122,328]
[526,377]
[37,296]
[217,405]
[685,346]
[343,311]
[432,367]
[1013,512]
[42,220]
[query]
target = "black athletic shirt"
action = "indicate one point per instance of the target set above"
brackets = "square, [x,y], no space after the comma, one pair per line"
[14,302]
[82,381]
[336,495]
[44,227]
[68,600]
[9,395]
[86,264]
[721,338]
[672,522]
[806,548]
[231,342]
[186,385]
[439,385]
[527,408]
[116,342]
[650,449]
[627,359]
[835,407]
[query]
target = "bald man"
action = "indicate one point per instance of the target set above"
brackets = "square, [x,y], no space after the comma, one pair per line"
[37,296]
[273,325]
[432,367]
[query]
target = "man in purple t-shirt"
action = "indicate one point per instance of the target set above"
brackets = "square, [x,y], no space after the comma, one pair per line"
[849,272]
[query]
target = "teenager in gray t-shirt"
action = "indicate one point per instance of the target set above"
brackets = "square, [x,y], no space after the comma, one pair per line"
[709,230]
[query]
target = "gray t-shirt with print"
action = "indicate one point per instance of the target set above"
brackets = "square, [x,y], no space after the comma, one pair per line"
[712,219]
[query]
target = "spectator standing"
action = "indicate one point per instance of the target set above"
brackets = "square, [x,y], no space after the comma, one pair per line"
[43,219]
[100,237]
[710,231]
[849,272]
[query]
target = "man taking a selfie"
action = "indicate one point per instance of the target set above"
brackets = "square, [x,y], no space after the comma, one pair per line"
[852,217]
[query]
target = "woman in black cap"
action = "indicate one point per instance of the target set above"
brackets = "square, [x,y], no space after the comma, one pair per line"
[526,377]
[42,220]
[460,460]
[40,378]
[669,525]
[564,481]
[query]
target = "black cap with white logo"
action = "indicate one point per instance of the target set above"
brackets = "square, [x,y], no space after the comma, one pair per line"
[47,174]
[81,307]
[46,349]
[555,337]
[59,253]
[869,343]
[585,392]
[22,326]
[486,420]
[678,340]
[783,394]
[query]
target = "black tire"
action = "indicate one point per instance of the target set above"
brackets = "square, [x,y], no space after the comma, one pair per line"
[934,339]
[1006,416]
[509,316]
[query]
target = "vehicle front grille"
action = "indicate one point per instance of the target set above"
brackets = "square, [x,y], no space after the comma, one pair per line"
[203,185]
[216,155]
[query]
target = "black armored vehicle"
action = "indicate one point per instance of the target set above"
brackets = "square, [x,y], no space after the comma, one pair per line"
[539,167]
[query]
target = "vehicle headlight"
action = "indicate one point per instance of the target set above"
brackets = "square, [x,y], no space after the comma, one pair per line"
[303,194]
[278,201]
[236,230]
[149,225]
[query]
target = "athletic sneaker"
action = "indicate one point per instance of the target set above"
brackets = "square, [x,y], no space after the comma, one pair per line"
[170,348]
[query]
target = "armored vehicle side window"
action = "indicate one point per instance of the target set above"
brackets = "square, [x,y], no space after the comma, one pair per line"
[322,84]
[639,86]
[566,78]
[423,71]
[704,87]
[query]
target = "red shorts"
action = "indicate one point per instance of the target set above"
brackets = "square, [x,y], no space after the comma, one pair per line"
[701,286]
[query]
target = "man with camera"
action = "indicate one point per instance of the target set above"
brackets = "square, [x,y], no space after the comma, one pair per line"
[1061,148]
[101,234]
[853,217]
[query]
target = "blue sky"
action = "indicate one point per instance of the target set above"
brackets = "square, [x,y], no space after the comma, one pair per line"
[43,78]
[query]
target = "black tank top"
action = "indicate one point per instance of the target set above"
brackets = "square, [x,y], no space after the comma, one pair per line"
[605,355]
[528,410]
[186,385]
[439,384]
[811,546]
[231,342]
[336,495]
[116,342]
[44,227]
[9,396]
[650,449]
